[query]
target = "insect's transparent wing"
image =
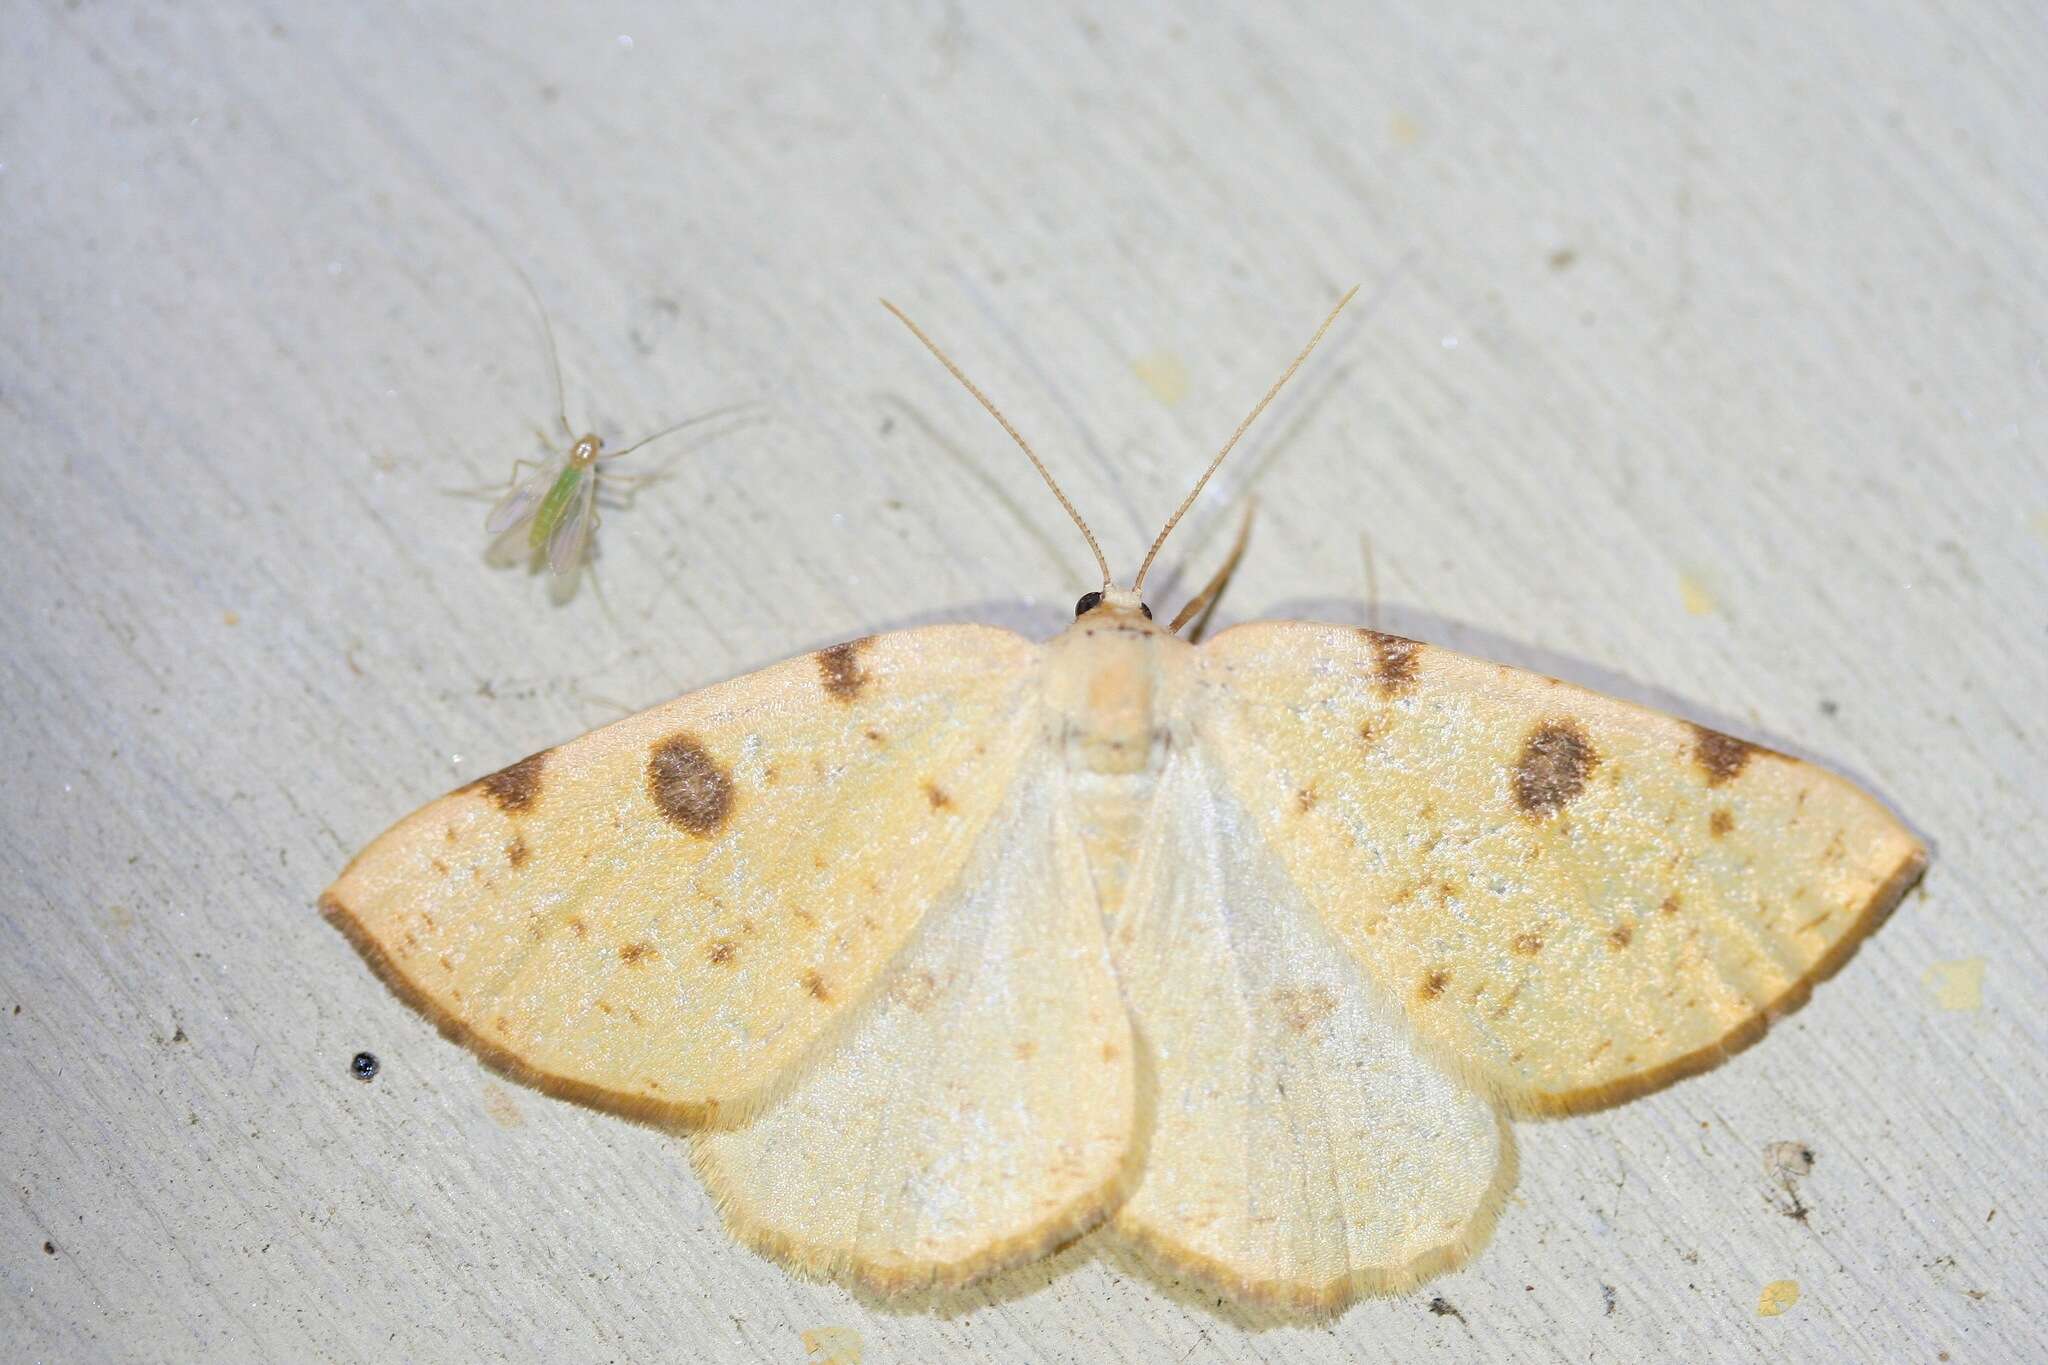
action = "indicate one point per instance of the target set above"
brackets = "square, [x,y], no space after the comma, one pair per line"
[979,1108]
[660,916]
[1574,899]
[520,501]
[571,535]
[1301,1148]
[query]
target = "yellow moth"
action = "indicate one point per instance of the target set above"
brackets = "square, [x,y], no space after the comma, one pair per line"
[948,946]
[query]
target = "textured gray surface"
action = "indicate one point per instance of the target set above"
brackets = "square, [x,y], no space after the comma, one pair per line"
[1704,364]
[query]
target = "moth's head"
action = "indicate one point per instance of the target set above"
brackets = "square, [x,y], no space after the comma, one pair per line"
[1113,602]
[1127,605]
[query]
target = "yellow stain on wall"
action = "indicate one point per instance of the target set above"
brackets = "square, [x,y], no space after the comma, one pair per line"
[833,1346]
[1778,1296]
[1163,373]
[1957,985]
[1403,130]
[1694,594]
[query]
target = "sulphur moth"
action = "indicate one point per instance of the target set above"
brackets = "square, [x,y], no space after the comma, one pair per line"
[946,946]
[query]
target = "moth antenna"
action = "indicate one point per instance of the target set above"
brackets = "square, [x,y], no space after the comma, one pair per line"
[1004,423]
[554,356]
[728,410]
[1253,416]
[1206,598]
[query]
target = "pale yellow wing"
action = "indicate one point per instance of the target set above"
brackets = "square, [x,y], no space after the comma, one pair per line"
[977,1109]
[1300,1149]
[1573,898]
[661,916]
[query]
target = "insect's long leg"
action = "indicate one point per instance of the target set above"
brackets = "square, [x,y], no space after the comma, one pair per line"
[554,355]
[616,502]
[1203,603]
[480,489]
[588,569]
[622,499]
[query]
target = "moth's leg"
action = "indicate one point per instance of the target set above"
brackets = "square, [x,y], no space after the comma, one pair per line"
[1203,603]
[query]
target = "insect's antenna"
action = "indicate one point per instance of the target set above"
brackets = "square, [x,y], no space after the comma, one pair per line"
[554,356]
[728,410]
[1004,423]
[1251,417]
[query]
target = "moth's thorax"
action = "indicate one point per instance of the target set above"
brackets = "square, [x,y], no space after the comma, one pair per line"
[1104,684]
[1109,708]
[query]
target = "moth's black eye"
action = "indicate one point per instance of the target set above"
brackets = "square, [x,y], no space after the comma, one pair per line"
[1089,602]
[1147,610]
[363,1066]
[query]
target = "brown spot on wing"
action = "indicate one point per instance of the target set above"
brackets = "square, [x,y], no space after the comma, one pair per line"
[1621,935]
[1527,945]
[1720,822]
[688,786]
[1556,760]
[916,991]
[1721,757]
[516,788]
[1305,800]
[815,984]
[839,669]
[1433,984]
[516,852]
[936,795]
[1670,905]
[633,954]
[1394,662]
[721,952]
[1301,1006]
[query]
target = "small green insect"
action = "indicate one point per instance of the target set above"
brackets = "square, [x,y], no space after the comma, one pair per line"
[557,501]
